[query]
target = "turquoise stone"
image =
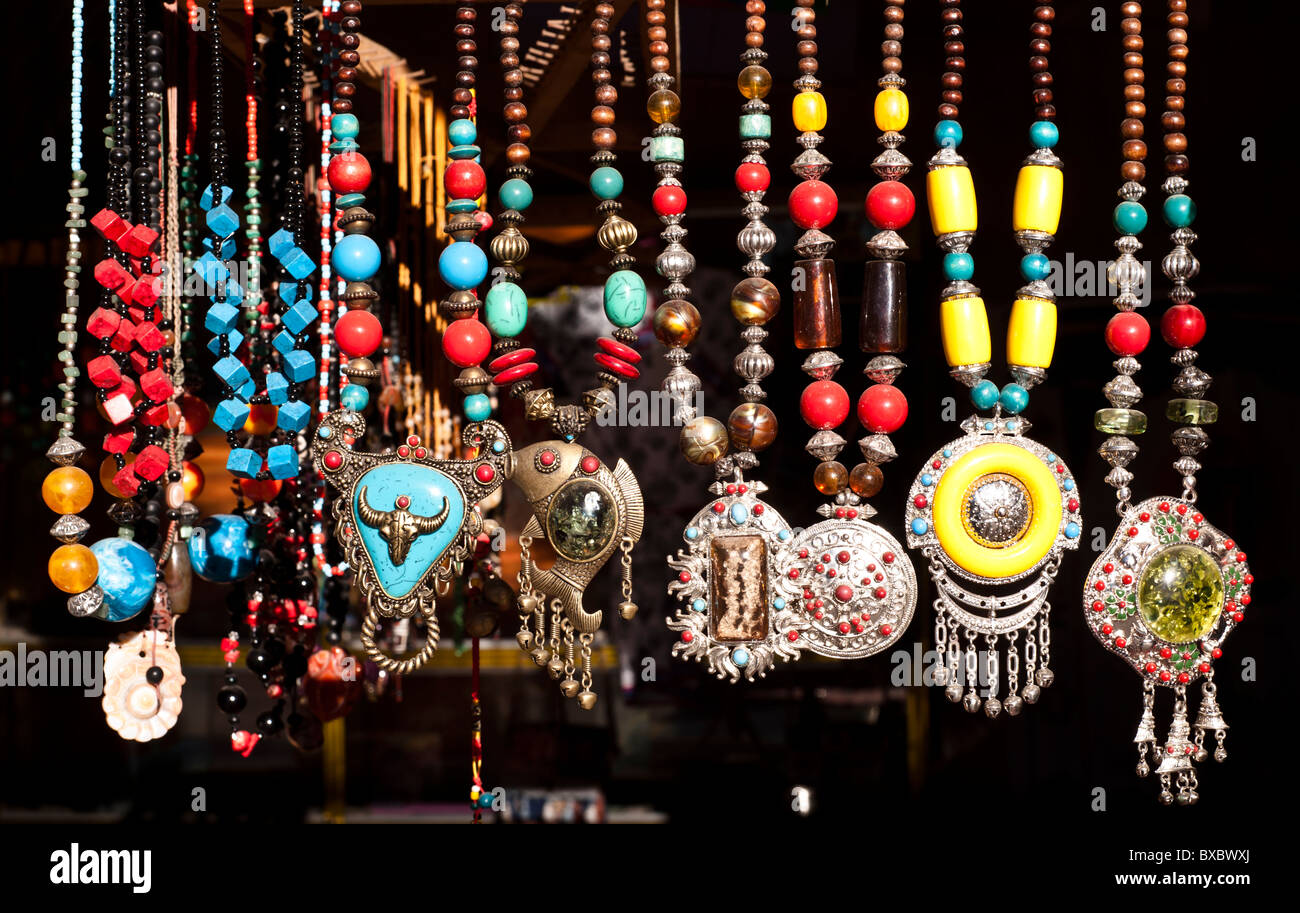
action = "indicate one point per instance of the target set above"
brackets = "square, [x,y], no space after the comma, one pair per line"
[428,490]
[699,605]
[1035,267]
[919,527]
[756,126]
[947,134]
[464,152]
[1014,399]
[1044,134]
[126,575]
[1130,217]
[739,514]
[460,131]
[477,407]
[506,310]
[516,194]
[220,549]
[625,298]
[958,265]
[984,394]
[354,397]
[692,532]
[1180,211]
[667,149]
[606,183]
[740,656]
[345,126]
[462,264]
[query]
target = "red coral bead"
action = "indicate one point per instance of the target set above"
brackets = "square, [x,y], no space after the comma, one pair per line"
[813,204]
[349,173]
[890,205]
[1183,326]
[358,333]
[465,180]
[882,408]
[824,404]
[669,200]
[1128,333]
[753,177]
[466,342]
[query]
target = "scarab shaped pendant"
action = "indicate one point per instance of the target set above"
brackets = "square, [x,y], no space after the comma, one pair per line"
[406,520]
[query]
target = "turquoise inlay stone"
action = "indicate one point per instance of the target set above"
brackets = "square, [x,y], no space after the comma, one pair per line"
[1035,267]
[428,491]
[947,452]
[919,527]
[1014,399]
[1044,134]
[692,532]
[778,603]
[927,480]
[1130,217]
[220,550]
[739,514]
[984,394]
[1072,530]
[606,183]
[667,149]
[988,426]
[1068,484]
[1180,211]
[783,535]
[755,126]
[506,309]
[126,575]
[516,194]
[947,134]
[740,656]
[958,265]
[699,605]
[498,446]
[625,298]
[324,431]
[477,407]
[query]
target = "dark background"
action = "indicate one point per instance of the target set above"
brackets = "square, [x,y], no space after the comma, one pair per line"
[685,744]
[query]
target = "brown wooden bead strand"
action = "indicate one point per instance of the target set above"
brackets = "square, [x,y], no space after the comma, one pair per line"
[955,63]
[1173,121]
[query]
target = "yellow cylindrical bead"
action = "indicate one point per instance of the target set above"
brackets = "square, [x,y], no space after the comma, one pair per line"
[964,325]
[891,109]
[809,111]
[1037,205]
[951,193]
[1031,334]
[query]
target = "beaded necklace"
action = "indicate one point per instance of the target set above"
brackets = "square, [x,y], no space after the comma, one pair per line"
[585,510]
[1170,587]
[851,577]
[995,508]
[407,521]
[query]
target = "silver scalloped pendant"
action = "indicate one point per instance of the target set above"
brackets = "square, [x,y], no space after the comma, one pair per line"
[733,617]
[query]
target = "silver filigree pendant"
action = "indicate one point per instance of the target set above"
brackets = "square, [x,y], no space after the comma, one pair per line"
[406,521]
[1163,596]
[994,509]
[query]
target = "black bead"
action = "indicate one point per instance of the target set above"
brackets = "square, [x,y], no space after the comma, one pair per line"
[231,699]
[269,723]
[154,675]
[259,661]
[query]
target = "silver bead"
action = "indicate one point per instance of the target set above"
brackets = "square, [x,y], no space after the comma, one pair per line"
[971,702]
[675,262]
[1013,705]
[1031,694]
[1166,797]
[1046,676]
[992,707]
[953,692]
[84,605]
[753,364]
[1143,769]
[756,239]
[1180,264]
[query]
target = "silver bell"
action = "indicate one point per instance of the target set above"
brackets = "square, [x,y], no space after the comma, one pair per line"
[555,668]
[992,707]
[529,603]
[587,700]
[569,688]
[1166,798]
[627,610]
[1013,705]
[971,702]
[1046,676]
[953,692]
[525,640]
[1031,694]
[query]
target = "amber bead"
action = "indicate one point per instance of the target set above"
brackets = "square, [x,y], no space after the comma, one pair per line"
[755,301]
[676,323]
[751,426]
[663,106]
[703,440]
[816,305]
[73,568]
[830,477]
[866,480]
[883,326]
[754,81]
[68,490]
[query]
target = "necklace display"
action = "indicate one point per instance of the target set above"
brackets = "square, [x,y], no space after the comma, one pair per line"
[406,520]
[586,511]
[995,508]
[727,576]
[1170,587]
[852,578]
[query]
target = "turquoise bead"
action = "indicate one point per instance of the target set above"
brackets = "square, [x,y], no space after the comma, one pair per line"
[355,258]
[1035,267]
[477,407]
[947,134]
[355,397]
[462,265]
[1180,211]
[1044,134]
[606,182]
[984,394]
[126,575]
[516,194]
[755,126]
[506,310]
[625,298]
[1014,399]
[1071,530]
[958,266]
[667,149]
[1130,217]
[345,126]
[740,656]
[920,527]
[462,132]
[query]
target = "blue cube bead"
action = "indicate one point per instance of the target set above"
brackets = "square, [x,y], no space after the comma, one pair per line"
[230,414]
[298,263]
[232,372]
[236,340]
[221,318]
[248,389]
[284,342]
[280,243]
[282,461]
[205,201]
[299,317]
[244,463]
[227,251]
[210,269]
[294,416]
[222,221]
[292,292]
[299,366]
[277,388]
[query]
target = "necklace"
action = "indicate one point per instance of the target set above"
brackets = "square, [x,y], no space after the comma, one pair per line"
[406,521]
[585,510]
[1170,587]
[726,576]
[851,577]
[995,508]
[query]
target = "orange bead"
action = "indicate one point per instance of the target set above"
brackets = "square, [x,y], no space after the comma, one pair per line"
[192,478]
[107,470]
[73,568]
[68,490]
[261,419]
[194,414]
[259,490]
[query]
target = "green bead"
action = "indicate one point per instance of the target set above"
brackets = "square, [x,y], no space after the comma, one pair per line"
[667,149]
[1180,211]
[1192,411]
[506,309]
[1120,421]
[755,126]
[625,298]
[1180,594]
[1130,218]
[516,194]
[606,182]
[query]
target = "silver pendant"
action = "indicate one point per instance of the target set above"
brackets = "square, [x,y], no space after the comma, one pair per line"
[994,509]
[406,521]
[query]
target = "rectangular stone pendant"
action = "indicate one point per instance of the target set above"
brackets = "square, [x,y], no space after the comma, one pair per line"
[738,573]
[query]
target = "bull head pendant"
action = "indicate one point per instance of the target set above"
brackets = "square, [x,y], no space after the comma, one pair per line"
[406,521]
